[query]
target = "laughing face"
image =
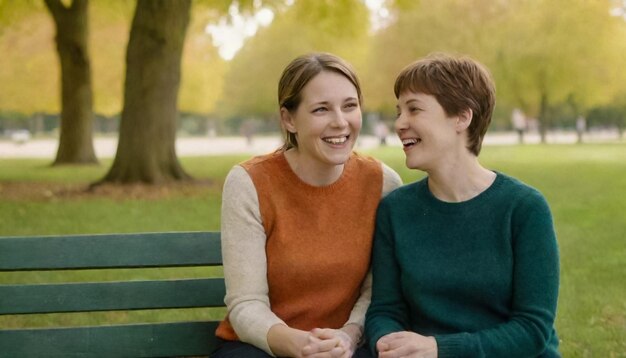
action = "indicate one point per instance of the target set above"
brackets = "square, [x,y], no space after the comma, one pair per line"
[327,121]
[427,133]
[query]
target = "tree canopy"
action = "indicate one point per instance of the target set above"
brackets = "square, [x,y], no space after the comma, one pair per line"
[339,27]
[558,50]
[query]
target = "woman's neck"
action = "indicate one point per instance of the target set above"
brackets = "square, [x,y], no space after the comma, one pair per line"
[460,179]
[312,171]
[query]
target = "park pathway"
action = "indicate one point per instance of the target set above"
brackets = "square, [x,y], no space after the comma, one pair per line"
[105,147]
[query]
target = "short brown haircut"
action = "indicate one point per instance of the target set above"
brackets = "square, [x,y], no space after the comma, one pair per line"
[458,84]
[300,72]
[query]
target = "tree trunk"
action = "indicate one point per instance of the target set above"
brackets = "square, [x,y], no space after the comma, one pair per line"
[76,138]
[146,151]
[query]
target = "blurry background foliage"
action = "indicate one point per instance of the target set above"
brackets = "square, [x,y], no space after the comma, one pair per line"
[553,59]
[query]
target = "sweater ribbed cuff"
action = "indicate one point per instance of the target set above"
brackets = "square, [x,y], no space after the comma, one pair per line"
[454,345]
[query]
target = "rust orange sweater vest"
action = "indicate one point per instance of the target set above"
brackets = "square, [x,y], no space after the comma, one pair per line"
[319,239]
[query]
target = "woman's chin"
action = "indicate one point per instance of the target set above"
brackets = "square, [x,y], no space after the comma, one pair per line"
[338,158]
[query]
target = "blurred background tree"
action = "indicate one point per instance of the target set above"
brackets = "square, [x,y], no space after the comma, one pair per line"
[72,32]
[146,149]
[557,52]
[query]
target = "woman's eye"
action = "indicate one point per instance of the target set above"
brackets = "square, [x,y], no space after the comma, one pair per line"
[319,110]
[351,106]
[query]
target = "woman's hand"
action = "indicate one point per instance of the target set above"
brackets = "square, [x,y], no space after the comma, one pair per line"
[406,344]
[285,341]
[326,342]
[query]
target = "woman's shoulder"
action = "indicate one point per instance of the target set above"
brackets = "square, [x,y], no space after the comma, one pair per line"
[364,160]
[405,193]
[262,160]
[520,193]
[391,179]
[362,166]
[517,187]
[238,180]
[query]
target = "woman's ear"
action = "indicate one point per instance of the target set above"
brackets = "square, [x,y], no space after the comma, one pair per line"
[287,120]
[464,119]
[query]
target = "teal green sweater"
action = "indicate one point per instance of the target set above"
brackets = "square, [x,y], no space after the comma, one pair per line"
[481,276]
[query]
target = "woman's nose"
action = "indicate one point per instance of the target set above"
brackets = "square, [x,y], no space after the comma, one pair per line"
[339,119]
[400,124]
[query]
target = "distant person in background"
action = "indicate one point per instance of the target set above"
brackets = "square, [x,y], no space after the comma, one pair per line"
[465,261]
[381,131]
[518,120]
[581,127]
[247,129]
[298,224]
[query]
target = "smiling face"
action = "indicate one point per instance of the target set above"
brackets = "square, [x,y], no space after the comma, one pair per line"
[461,85]
[429,136]
[327,121]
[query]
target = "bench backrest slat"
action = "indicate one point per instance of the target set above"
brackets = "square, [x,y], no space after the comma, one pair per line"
[141,340]
[110,251]
[109,296]
[123,251]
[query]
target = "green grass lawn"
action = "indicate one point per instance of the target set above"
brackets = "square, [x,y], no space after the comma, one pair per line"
[584,184]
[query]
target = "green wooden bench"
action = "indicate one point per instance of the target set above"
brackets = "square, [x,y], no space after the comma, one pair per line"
[118,251]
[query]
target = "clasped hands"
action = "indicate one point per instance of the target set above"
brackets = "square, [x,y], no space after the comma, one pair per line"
[406,344]
[333,343]
[328,343]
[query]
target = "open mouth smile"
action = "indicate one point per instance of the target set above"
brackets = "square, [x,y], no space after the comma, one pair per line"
[410,142]
[336,140]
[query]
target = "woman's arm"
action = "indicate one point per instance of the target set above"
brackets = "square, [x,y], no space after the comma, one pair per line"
[387,312]
[535,292]
[245,261]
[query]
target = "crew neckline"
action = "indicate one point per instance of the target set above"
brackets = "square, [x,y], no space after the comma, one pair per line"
[345,175]
[470,204]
